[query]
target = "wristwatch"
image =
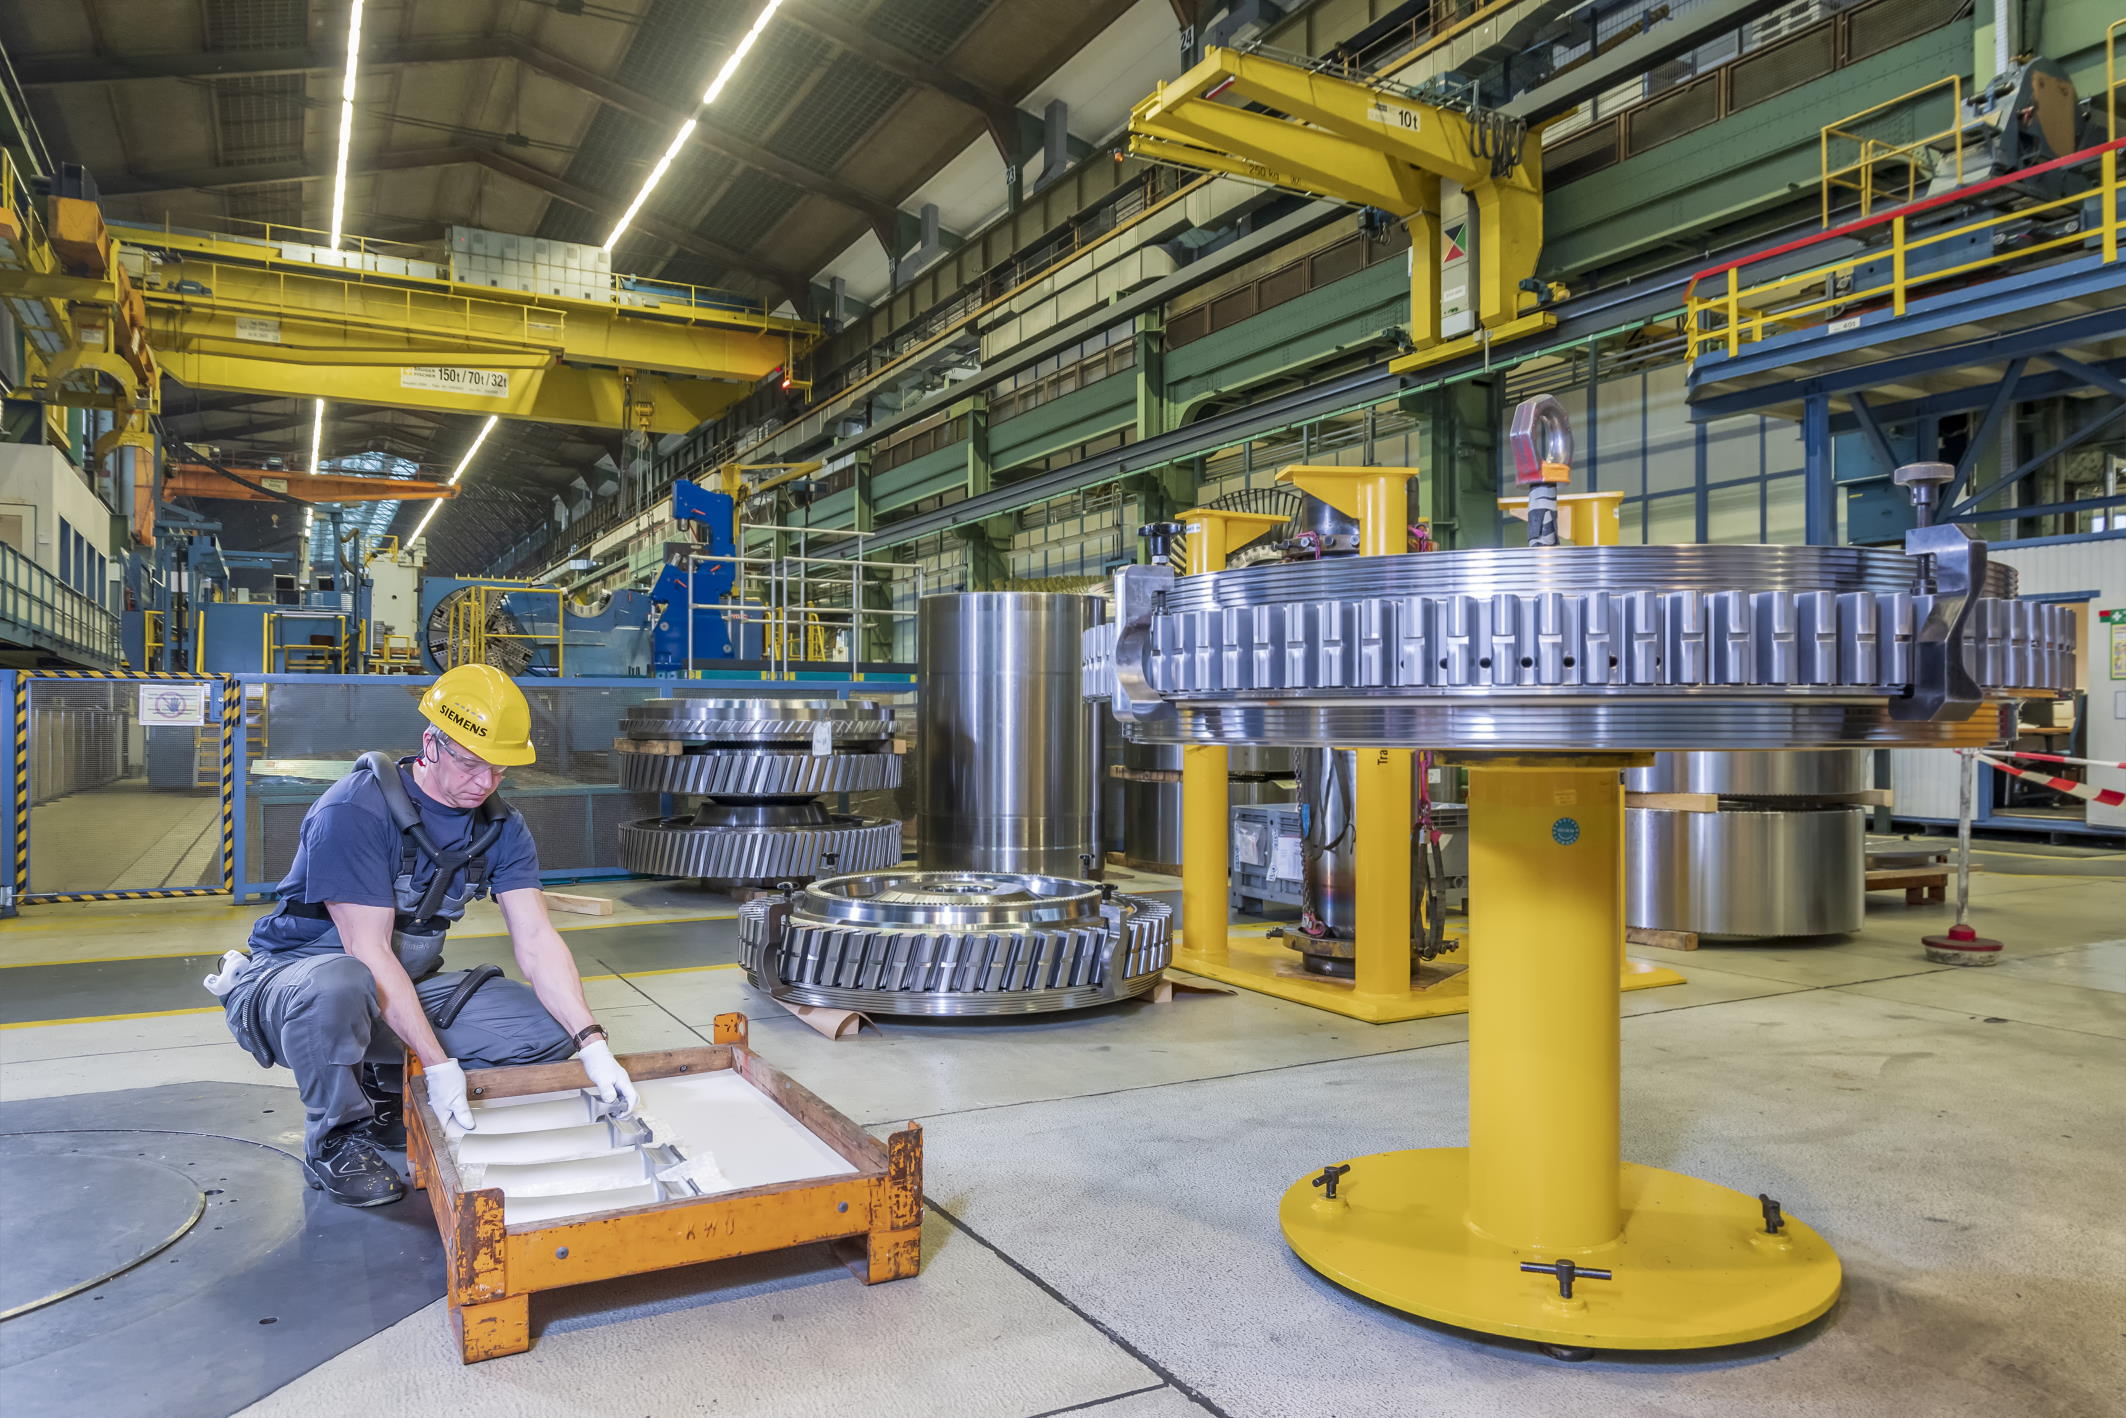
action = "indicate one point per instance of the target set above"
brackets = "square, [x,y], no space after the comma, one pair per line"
[583,1035]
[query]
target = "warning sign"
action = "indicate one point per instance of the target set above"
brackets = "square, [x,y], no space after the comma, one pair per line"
[174,704]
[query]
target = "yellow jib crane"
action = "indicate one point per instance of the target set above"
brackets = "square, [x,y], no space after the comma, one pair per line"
[1379,144]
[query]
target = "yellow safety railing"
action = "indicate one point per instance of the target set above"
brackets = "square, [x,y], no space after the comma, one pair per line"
[278,656]
[1910,164]
[1727,309]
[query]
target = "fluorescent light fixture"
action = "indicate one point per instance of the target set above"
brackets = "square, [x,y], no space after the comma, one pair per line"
[456,473]
[317,432]
[686,130]
[339,176]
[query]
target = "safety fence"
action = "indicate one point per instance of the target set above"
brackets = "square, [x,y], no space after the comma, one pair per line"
[1907,252]
[121,785]
[126,785]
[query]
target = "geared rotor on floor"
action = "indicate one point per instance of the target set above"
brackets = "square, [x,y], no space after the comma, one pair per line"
[954,943]
[759,766]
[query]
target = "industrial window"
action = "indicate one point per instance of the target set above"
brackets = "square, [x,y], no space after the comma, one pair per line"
[1232,308]
[1874,28]
[1345,258]
[66,552]
[1809,55]
[1287,283]
[1675,113]
[1580,155]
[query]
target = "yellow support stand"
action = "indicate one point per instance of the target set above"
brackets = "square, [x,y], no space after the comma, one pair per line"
[1662,1260]
[1206,822]
[1585,519]
[1384,989]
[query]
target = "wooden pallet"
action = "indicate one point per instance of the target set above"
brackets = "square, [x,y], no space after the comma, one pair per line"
[874,1217]
[1919,884]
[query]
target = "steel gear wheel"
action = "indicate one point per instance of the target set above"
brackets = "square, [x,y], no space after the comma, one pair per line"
[758,765]
[678,846]
[954,943]
[759,773]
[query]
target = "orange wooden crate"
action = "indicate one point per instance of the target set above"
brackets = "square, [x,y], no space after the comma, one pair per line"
[875,1216]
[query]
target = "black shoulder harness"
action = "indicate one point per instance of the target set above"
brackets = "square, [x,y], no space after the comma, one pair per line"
[490,817]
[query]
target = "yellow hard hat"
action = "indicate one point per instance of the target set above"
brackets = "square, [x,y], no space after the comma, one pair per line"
[482,708]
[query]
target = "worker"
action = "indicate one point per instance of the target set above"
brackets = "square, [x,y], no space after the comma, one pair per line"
[345,972]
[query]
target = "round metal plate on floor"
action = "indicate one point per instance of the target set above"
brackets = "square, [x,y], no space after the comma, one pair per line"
[74,1219]
[1692,1269]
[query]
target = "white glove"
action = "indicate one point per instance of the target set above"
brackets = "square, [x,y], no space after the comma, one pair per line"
[446,1094]
[615,1089]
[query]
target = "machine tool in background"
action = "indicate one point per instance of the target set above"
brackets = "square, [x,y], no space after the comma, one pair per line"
[954,943]
[2026,117]
[1758,845]
[689,596]
[759,767]
[526,631]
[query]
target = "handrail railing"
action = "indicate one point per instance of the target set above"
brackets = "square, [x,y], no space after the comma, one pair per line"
[38,608]
[1737,313]
[1914,155]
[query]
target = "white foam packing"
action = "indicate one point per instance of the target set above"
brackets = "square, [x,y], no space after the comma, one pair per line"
[549,1160]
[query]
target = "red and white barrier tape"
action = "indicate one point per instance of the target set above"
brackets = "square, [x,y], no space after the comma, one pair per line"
[2107,797]
[2050,758]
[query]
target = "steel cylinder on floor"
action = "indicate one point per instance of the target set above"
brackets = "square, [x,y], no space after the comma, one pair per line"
[1008,750]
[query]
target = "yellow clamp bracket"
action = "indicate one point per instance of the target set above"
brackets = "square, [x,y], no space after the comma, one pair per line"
[1376,497]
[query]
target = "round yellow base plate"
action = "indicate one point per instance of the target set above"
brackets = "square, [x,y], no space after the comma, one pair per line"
[1693,1268]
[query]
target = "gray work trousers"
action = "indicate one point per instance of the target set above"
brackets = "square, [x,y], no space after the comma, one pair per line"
[319,1015]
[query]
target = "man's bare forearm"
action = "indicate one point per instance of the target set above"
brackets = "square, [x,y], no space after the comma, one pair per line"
[544,957]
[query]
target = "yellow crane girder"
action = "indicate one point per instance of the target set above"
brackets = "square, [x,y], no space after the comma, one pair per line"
[446,382]
[1372,145]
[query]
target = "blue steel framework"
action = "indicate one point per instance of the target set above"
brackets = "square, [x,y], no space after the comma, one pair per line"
[2014,305]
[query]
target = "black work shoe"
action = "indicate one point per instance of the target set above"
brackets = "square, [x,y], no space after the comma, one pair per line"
[386,1127]
[346,1168]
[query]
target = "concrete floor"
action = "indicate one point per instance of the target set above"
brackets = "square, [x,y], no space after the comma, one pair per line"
[1102,1233]
[126,835]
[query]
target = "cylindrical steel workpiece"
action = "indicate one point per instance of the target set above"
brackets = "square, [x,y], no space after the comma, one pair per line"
[1745,874]
[1825,773]
[1008,751]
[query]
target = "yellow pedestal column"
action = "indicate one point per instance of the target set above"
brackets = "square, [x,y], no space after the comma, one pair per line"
[1206,825]
[1380,823]
[1444,1232]
[1206,855]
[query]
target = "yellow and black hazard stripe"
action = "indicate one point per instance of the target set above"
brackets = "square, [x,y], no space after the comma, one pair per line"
[22,785]
[160,893]
[116,674]
[232,713]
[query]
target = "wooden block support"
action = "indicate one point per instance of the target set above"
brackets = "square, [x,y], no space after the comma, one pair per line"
[1675,802]
[656,748]
[1661,940]
[578,905]
[1919,884]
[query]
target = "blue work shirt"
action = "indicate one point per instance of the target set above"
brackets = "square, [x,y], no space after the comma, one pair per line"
[350,852]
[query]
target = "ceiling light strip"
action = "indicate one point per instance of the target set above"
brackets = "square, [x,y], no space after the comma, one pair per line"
[456,473]
[339,176]
[686,130]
